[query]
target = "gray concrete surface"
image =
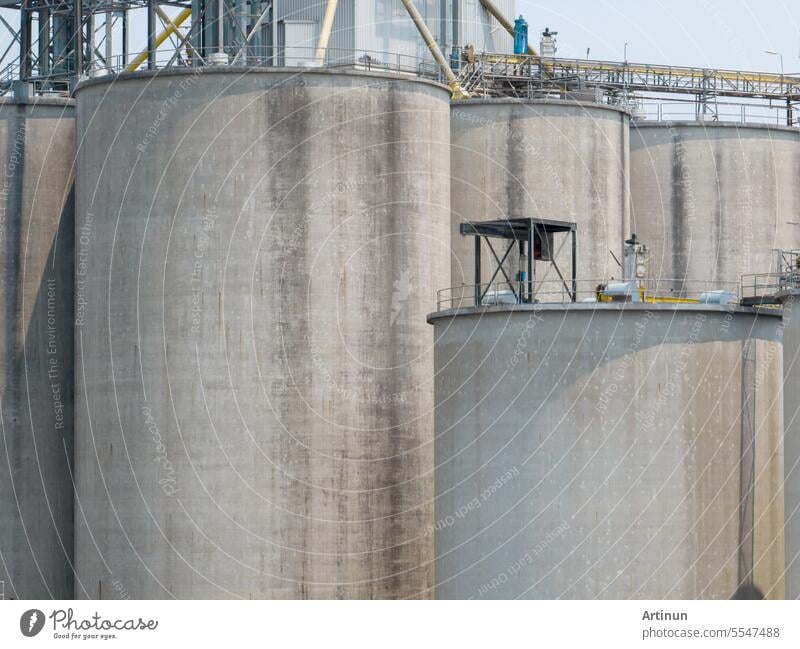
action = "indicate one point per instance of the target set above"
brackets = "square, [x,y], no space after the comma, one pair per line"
[255,371]
[608,452]
[791,416]
[714,200]
[37,141]
[561,160]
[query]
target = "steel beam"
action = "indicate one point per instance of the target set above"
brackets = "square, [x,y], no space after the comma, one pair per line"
[151,35]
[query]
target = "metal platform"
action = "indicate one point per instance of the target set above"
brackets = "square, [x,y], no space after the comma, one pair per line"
[533,238]
[500,75]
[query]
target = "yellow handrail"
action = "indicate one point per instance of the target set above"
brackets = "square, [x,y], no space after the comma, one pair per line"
[164,35]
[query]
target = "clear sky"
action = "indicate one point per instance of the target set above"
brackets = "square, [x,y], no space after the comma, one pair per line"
[705,33]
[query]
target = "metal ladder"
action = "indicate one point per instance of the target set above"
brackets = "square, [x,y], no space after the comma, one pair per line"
[470,78]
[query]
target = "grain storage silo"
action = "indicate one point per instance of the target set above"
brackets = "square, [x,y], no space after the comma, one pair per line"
[608,451]
[713,201]
[558,160]
[255,371]
[790,298]
[36,239]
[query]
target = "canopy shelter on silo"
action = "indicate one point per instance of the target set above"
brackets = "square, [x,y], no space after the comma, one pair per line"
[533,240]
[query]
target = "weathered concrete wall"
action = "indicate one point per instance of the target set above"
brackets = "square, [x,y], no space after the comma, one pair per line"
[37,142]
[560,160]
[713,201]
[608,453]
[791,416]
[255,371]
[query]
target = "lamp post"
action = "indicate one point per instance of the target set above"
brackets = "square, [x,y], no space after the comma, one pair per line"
[789,111]
[779,54]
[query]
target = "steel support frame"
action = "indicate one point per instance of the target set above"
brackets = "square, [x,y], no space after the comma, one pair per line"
[55,43]
[500,75]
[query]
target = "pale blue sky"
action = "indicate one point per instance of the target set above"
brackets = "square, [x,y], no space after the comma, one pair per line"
[706,33]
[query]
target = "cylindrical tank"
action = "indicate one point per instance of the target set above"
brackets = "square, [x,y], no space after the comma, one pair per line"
[556,159]
[255,371]
[791,417]
[521,36]
[627,451]
[36,395]
[713,201]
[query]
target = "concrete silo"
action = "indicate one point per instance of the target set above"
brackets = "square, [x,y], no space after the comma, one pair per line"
[615,451]
[560,160]
[255,371]
[790,299]
[713,201]
[36,391]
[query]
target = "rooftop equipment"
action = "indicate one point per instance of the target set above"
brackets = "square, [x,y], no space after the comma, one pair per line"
[522,236]
[548,44]
[520,36]
[767,289]
[632,289]
[637,287]
[492,8]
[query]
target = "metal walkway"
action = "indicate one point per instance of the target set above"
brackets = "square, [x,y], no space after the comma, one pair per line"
[501,75]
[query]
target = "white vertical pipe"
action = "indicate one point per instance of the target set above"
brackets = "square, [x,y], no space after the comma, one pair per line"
[325,33]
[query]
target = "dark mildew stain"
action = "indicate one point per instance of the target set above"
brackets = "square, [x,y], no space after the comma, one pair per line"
[717,223]
[514,162]
[289,214]
[304,166]
[678,209]
[392,381]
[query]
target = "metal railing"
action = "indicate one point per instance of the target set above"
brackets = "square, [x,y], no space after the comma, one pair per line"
[634,77]
[763,285]
[676,110]
[270,56]
[775,97]
[582,290]
[257,57]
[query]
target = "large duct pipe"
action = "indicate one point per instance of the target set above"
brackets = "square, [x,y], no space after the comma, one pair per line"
[325,34]
[452,80]
[172,28]
[505,22]
[253,31]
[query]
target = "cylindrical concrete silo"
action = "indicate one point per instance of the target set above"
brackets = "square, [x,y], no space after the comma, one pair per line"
[713,201]
[616,452]
[255,371]
[37,142]
[790,299]
[559,160]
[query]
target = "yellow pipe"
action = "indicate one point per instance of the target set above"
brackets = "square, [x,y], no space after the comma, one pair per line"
[452,81]
[169,31]
[325,34]
[168,21]
[491,7]
[670,300]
